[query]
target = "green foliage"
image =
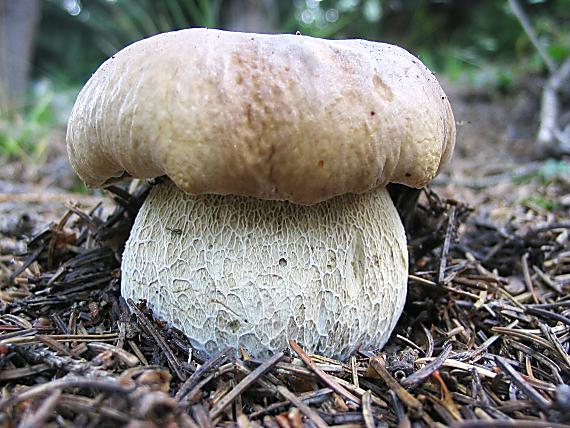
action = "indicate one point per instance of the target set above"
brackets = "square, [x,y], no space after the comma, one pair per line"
[480,42]
[544,203]
[80,187]
[547,172]
[71,43]
[121,22]
[25,134]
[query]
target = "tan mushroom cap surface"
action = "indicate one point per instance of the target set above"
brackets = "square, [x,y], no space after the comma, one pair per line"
[283,117]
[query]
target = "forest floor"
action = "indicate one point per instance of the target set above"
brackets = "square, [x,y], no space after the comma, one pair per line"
[484,339]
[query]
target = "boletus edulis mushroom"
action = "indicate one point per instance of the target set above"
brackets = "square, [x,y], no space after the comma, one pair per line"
[275,222]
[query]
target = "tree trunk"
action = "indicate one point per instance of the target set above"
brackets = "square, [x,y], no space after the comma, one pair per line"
[18,24]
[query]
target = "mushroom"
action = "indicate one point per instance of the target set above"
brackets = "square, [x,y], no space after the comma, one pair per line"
[275,222]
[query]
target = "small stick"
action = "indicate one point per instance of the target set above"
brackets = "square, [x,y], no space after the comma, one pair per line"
[354,371]
[193,380]
[58,347]
[313,396]
[27,340]
[54,238]
[446,243]
[28,370]
[409,400]
[425,372]
[74,382]
[148,327]
[536,311]
[203,419]
[532,393]
[367,410]
[547,281]
[126,357]
[188,397]
[360,392]
[29,260]
[527,278]
[399,411]
[39,418]
[78,403]
[495,423]
[307,411]
[550,335]
[244,384]
[321,374]
[429,342]
[138,352]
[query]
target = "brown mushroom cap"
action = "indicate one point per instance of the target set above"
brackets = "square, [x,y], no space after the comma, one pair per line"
[270,116]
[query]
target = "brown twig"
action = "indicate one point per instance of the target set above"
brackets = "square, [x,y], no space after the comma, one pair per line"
[524,386]
[209,365]
[447,241]
[321,374]
[307,411]
[425,372]
[43,413]
[244,384]
[367,410]
[150,330]
[72,382]
[412,403]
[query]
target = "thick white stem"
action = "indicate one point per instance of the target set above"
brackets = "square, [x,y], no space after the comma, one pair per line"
[234,271]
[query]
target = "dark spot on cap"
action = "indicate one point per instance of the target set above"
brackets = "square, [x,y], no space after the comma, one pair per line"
[372,113]
[408,174]
[282,262]
[321,163]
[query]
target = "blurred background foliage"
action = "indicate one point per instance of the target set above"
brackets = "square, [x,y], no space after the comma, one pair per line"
[479,42]
[454,37]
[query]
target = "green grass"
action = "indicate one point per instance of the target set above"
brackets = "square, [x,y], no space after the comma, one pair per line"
[541,202]
[547,172]
[25,134]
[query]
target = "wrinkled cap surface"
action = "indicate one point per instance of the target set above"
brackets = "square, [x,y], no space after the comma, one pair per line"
[283,117]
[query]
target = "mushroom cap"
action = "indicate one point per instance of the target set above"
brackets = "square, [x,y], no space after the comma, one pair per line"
[235,271]
[284,117]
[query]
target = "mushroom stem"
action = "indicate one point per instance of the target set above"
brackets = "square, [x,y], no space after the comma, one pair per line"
[236,271]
